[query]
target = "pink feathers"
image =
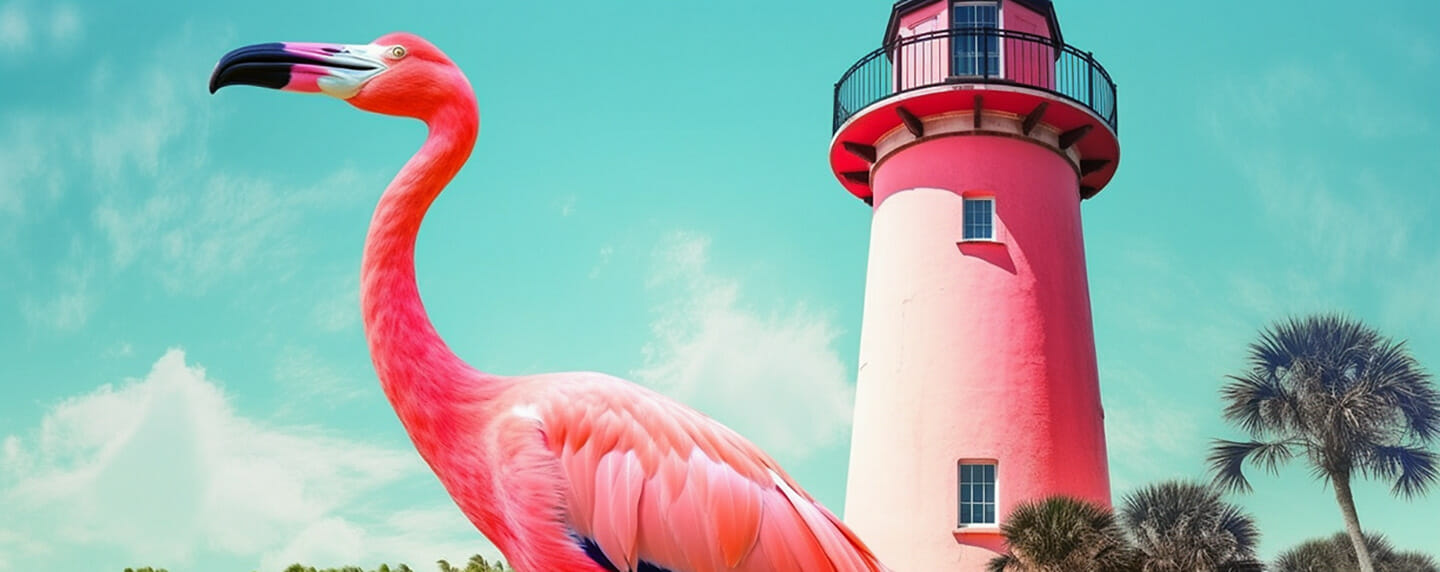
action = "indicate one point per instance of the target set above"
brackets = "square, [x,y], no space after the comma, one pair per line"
[673,488]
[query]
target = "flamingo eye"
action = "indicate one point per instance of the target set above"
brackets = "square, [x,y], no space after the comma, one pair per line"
[397,52]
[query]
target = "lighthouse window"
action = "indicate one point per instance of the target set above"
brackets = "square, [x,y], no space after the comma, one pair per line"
[977,493]
[979,223]
[977,53]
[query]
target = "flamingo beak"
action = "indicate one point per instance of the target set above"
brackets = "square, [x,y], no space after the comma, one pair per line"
[336,70]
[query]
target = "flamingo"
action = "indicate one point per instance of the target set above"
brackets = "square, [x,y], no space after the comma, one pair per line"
[561,471]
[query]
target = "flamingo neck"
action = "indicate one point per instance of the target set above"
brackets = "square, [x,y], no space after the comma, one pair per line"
[422,378]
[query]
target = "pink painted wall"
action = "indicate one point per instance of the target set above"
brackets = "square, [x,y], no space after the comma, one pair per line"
[972,351]
[1027,62]
[926,62]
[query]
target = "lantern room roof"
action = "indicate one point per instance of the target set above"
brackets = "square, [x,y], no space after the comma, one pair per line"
[1043,7]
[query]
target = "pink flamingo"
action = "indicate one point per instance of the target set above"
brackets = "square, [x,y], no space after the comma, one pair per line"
[562,471]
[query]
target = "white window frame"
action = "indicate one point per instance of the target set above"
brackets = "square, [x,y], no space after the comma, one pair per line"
[959,482]
[964,224]
[999,41]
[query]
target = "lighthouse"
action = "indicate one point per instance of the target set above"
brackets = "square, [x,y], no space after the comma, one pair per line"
[975,133]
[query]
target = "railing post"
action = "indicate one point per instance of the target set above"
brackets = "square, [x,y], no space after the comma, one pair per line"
[1114,108]
[899,65]
[982,49]
[1090,77]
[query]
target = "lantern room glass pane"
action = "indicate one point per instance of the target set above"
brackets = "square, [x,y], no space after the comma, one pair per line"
[975,54]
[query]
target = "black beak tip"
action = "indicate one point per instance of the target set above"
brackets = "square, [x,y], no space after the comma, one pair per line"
[263,65]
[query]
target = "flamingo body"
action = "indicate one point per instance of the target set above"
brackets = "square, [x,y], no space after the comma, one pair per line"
[594,473]
[574,472]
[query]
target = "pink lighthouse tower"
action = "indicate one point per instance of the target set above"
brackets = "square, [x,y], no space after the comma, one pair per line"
[974,133]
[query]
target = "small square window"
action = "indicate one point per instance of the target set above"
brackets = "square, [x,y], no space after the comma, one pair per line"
[979,219]
[977,493]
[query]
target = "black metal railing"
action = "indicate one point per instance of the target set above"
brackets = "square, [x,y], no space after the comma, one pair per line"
[976,55]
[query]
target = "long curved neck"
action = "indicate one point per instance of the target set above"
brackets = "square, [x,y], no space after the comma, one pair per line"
[419,373]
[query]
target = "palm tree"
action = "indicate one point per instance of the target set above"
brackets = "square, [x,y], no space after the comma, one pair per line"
[1180,526]
[1350,399]
[1065,534]
[1335,553]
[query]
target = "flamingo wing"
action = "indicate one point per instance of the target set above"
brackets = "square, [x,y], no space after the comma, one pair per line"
[654,485]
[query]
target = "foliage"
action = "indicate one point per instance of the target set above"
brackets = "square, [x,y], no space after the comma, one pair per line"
[477,563]
[1061,533]
[1334,553]
[1182,526]
[1347,398]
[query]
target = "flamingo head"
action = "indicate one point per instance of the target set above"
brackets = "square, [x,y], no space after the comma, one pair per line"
[397,74]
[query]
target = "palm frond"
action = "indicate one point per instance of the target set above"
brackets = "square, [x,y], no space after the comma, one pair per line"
[1003,563]
[1240,527]
[1407,387]
[1243,566]
[1064,533]
[1336,552]
[1259,404]
[1413,468]
[1227,460]
[1336,389]
[1181,525]
[1414,562]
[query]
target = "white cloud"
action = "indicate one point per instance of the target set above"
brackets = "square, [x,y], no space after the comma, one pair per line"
[14,28]
[68,305]
[163,469]
[606,253]
[776,379]
[137,143]
[65,24]
[339,305]
[1343,226]
[225,228]
[21,28]
[310,381]
[1149,437]
[28,167]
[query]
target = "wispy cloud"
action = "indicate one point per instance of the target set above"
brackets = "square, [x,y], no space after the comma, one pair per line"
[567,204]
[164,469]
[775,378]
[310,381]
[1151,435]
[14,28]
[1297,135]
[67,310]
[193,240]
[602,260]
[65,24]
[339,305]
[66,307]
[126,168]
[22,26]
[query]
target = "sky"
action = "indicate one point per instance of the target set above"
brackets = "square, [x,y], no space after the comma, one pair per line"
[186,381]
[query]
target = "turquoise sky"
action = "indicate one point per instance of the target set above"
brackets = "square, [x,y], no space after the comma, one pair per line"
[186,382]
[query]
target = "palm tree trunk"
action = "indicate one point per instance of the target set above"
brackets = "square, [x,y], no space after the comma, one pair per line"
[1352,522]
